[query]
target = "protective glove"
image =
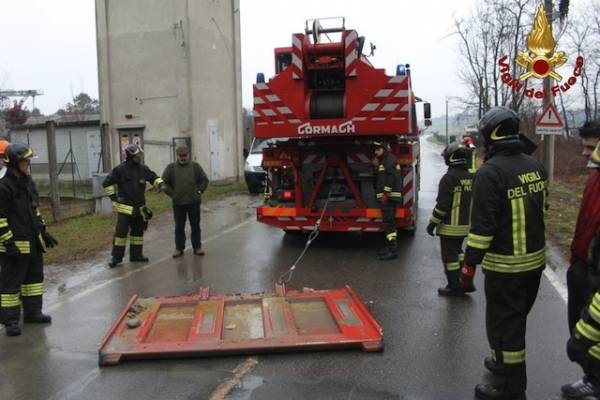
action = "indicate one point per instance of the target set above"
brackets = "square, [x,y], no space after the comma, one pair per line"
[49,240]
[384,198]
[467,272]
[11,249]
[431,229]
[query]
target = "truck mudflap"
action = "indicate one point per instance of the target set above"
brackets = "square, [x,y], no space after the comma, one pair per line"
[208,325]
[355,220]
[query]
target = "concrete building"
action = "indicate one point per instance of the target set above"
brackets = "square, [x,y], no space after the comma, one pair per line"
[169,73]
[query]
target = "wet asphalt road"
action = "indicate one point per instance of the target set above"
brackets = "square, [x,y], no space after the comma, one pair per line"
[434,347]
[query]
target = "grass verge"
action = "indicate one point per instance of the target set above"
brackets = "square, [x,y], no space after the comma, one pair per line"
[564,201]
[84,236]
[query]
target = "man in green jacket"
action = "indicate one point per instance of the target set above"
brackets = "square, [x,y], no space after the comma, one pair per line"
[185,182]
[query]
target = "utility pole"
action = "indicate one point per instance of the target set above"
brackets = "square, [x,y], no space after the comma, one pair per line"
[52,170]
[548,142]
[447,136]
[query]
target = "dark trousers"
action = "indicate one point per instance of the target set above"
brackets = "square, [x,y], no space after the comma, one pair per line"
[388,216]
[580,291]
[452,258]
[508,302]
[181,214]
[21,280]
[134,226]
[578,351]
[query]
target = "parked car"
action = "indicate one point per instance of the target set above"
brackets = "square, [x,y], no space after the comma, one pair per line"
[254,173]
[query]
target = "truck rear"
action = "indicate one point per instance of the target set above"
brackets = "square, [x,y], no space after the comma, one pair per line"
[321,112]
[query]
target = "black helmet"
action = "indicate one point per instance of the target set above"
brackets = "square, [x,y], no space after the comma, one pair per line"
[133,150]
[499,123]
[455,154]
[376,144]
[17,152]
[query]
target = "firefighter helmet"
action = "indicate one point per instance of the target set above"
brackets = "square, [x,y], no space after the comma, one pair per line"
[133,150]
[499,123]
[17,152]
[3,145]
[455,154]
[595,157]
[376,144]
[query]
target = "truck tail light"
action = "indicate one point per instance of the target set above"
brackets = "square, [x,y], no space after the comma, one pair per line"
[287,195]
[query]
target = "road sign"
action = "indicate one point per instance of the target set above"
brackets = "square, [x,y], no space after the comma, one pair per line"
[549,123]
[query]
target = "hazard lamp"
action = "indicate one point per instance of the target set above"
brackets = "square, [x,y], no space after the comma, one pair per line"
[287,195]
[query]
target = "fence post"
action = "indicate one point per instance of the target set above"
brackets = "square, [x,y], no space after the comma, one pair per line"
[52,169]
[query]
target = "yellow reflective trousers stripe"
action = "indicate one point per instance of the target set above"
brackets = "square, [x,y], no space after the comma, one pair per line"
[510,357]
[453,266]
[391,236]
[10,300]
[119,241]
[136,240]
[518,227]
[32,289]
[514,357]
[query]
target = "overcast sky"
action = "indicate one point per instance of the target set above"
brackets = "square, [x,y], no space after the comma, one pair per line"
[51,44]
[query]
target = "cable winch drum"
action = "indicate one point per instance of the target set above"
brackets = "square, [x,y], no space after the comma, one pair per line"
[328,104]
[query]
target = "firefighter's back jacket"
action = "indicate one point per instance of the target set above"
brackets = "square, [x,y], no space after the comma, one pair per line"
[453,204]
[126,185]
[389,177]
[20,220]
[507,218]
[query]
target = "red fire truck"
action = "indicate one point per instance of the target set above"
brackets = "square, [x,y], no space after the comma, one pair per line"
[321,111]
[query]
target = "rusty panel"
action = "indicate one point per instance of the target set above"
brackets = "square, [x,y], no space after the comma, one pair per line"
[204,324]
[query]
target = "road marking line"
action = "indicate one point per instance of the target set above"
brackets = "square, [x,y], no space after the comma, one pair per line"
[555,281]
[238,373]
[93,289]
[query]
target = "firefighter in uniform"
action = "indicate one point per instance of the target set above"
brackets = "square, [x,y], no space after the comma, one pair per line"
[506,236]
[126,186]
[389,194]
[22,231]
[467,141]
[583,278]
[450,217]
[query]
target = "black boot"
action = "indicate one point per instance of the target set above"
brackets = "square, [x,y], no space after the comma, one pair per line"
[113,263]
[10,318]
[136,254]
[451,292]
[493,366]
[489,392]
[32,311]
[453,287]
[12,330]
[391,251]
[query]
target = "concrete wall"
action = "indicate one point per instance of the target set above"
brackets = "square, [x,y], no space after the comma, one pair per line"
[173,69]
